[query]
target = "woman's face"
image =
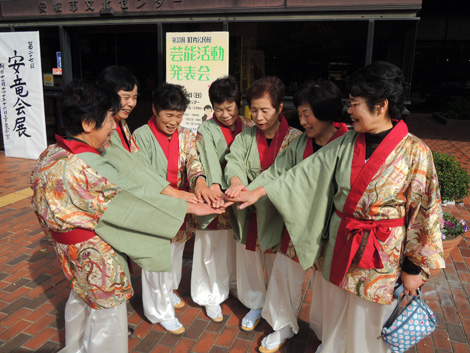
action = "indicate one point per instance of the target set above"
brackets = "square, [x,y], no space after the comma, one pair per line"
[128,103]
[168,121]
[362,118]
[226,113]
[265,116]
[314,128]
[99,138]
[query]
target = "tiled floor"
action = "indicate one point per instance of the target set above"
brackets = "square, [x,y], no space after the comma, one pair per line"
[33,289]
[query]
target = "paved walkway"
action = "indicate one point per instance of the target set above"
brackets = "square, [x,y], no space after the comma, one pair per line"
[33,290]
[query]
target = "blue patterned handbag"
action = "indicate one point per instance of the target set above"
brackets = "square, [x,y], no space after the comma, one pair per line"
[403,330]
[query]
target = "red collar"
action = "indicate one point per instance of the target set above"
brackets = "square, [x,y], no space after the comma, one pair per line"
[74,146]
[229,134]
[267,155]
[170,149]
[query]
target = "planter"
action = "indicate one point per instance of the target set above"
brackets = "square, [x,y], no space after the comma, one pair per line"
[448,246]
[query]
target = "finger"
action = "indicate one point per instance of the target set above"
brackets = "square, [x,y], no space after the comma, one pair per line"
[244,205]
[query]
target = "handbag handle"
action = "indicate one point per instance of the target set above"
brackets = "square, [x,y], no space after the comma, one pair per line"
[396,295]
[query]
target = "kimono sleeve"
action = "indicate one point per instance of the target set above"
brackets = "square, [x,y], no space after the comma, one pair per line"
[304,198]
[138,221]
[423,244]
[209,158]
[133,166]
[236,159]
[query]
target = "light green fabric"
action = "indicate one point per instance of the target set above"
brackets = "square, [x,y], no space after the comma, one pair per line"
[139,221]
[243,162]
[305,194]
[133,166]
[212,150]
[152,150]
[270,224]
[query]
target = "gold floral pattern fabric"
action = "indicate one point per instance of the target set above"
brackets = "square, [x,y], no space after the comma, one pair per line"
[406,185]
[125,128]
[68,194]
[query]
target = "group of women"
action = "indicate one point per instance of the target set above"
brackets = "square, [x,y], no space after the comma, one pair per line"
[361,207]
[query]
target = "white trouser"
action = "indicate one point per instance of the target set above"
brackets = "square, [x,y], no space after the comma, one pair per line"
[348,323]
[90,330]
[252,267]
[210,278]
[177,250]
[284,294]
[157,288]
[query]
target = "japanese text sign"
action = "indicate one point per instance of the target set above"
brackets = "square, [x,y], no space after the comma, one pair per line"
[21,95]
[194,60]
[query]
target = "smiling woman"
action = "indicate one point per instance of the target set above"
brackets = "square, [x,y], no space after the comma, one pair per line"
[79,199]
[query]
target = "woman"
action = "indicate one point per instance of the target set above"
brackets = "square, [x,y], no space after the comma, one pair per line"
[94,216]
[213,274]
[252,151]
[319,105]
[123,152]
[375,193]
[172,154]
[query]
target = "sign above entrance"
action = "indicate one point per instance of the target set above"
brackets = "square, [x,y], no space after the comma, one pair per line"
[59,8]
[194,60]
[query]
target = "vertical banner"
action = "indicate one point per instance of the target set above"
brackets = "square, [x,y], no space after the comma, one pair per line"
[22,104]
[194,60]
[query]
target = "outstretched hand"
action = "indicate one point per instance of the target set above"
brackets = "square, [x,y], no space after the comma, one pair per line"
[204,193]
[247,197]
[203,209]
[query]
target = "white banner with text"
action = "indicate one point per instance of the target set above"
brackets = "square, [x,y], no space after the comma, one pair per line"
[21,94]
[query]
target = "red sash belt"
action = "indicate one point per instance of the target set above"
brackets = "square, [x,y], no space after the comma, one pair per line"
[349,239]
[75,236]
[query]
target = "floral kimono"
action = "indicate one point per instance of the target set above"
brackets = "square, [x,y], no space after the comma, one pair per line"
[298,150]
[371,214]
[94,216]
[125,136]
[176,160]
[213,142]
[249,156]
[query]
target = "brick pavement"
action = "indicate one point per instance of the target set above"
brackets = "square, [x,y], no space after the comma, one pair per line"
[33,289]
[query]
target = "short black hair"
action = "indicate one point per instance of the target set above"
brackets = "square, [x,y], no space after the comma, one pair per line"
[376,83]
[271,85]
[170,97]
[225,89]
[207,107]
[324,97]
[117,78]
[82,100]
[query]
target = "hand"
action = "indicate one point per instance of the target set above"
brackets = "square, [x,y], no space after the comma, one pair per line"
[204,193]
[203,209]
[411,283]
[180,194]
[235,188]
[248,198]
[215,188]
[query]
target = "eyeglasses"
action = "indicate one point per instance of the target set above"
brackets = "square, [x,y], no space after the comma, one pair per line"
[355,104]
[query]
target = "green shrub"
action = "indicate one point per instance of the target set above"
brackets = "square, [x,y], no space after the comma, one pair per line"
[453,178]
[457,108]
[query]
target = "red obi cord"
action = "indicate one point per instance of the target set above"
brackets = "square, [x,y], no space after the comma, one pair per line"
[349,238]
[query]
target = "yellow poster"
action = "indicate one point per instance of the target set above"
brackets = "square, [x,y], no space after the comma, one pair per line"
[194,60]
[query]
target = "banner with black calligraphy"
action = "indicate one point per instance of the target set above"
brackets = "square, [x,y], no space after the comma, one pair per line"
[22,100]
[194,60]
